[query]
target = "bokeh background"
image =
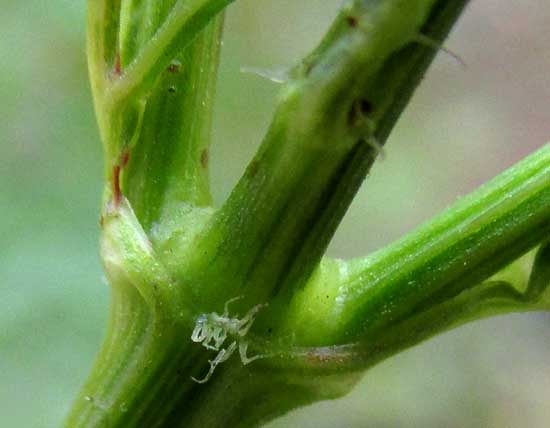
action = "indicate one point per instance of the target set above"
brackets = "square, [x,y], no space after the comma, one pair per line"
[463,126]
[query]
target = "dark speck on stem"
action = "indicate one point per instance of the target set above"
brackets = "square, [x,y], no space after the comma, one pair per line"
[352,21]
[204,158]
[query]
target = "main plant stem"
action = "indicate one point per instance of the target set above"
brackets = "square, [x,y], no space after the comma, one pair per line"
[174,261]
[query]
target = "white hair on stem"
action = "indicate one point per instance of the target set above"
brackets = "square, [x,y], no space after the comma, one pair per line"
[212,330]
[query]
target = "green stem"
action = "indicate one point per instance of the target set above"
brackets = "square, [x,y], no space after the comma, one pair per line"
[456,250]
[318,150]
[484,300]
[140,20]
[156,144]
[102,40]
[133,68]
[168,168]
[102,44]
[182,24]
[173,262]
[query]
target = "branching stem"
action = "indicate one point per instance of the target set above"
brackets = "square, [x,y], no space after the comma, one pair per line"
[173,260]
[183,23]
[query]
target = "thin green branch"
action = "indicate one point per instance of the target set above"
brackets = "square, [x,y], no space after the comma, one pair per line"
[456,250]
[102,45]
[103,37]
[484,300]
[140,20]
[182,24]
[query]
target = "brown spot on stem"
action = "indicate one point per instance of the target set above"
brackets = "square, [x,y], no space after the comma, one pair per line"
[117,194]
[253,168]
[117,169]
[365,106]
[359,109]
[124,158]
[352,21]
[174,67]
[205,158]
[118,65]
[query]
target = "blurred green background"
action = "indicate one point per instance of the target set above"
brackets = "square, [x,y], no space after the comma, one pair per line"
[462,127]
